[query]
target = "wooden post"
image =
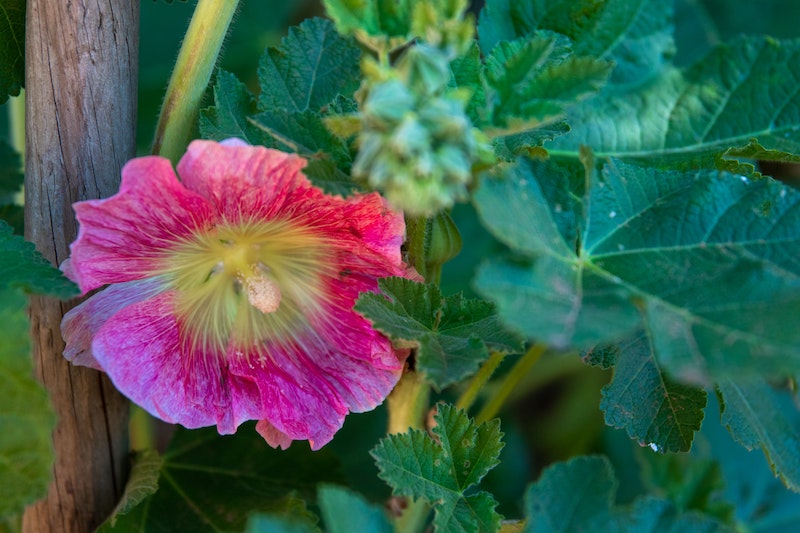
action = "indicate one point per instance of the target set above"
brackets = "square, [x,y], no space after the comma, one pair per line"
[81,85]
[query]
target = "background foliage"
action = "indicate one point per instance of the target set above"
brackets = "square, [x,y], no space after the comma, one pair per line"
[707,320]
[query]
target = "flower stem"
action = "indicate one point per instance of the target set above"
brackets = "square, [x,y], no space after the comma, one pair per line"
[196,60]
[16,129]
[408,403]
[510,382]
[16,122]
[479,380]
[408,406]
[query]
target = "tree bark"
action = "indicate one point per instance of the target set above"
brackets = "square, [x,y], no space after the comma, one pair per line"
[81,85]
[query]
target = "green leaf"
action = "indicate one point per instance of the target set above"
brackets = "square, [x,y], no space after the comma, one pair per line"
[312,65]
[210,482]
[741,91]
[228,118]
[12,48]
[761,501]
[529,143]
[688,481]
[651,514]
[11,177]
[465,72]
[452,334]
[21,266]
[305,134]
[647,403]
[302,132]
[277,524]
[717,295]
[142,482]
[26,451]
[554,296]
[445,470]
[636,35]
[534,80]
[290,514]
[578,495]
[345,511]
[758,416]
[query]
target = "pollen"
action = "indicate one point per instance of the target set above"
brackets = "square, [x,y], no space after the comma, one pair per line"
[262,293]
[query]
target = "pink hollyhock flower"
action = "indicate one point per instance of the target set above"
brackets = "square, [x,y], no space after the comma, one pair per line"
[230,293]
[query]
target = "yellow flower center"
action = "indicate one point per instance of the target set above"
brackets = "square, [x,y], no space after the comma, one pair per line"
[246,283]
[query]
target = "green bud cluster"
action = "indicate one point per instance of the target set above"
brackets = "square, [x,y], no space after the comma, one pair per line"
[417,144]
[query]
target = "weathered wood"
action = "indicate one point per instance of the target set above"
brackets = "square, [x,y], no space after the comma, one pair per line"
[81,79]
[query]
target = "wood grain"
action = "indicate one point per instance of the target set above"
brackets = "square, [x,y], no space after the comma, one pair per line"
[81,80]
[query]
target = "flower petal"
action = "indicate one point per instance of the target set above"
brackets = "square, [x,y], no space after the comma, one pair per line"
[273,435]
[120,236]
[140,349]
[81,323]
[308,386]
[245,182]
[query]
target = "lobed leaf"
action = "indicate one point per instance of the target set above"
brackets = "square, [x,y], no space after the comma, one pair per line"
[666,250]
[311,66]
[532,81]
[579,494]
[760,500]
[291,515]
[572,496]
[452,335]
[210,482]
[345,511]
[759,416]
[647,403]
[445,471]
[228,118]
[636,35]
[21,266]
[305,134]
[690,481]
[653,514]
[742,91]
[306,79]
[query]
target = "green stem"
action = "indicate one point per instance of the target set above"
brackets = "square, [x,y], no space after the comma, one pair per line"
[16,128]
[141,430]
[510,382]
[16,122]
[479,380]
[191,75]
